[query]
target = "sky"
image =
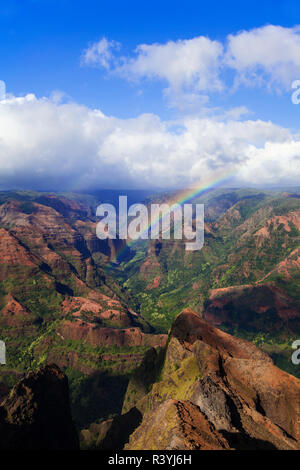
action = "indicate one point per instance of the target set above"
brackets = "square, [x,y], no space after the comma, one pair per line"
[161,94]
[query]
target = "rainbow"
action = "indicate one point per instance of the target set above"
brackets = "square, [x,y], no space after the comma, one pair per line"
[184,197]
[188,195]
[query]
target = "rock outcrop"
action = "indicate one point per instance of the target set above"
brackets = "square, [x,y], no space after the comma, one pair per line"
[177,425]
[97,336]
[36,414]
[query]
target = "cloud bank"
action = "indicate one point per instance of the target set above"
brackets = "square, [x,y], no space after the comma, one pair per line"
[45,144]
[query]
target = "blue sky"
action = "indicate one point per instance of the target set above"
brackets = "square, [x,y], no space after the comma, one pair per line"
[41,42]
[44,48]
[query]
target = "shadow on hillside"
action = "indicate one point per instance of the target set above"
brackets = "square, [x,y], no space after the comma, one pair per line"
[121,429]
[96,397]
[239,441]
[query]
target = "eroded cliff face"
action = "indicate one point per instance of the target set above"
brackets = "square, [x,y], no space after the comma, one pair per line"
[36,414]
[38,237]
[217,392]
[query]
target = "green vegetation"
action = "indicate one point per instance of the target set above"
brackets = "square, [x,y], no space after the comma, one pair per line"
[233,254]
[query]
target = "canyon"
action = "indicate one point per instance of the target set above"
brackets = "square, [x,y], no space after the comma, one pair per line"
[153,333]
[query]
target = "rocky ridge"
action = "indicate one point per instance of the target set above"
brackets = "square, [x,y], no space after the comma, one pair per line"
[216,391]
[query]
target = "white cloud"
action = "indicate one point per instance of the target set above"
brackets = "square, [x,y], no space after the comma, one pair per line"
[190,63]
[188,68]
[100,53]
[45,144]
[268,56]
[191,69]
